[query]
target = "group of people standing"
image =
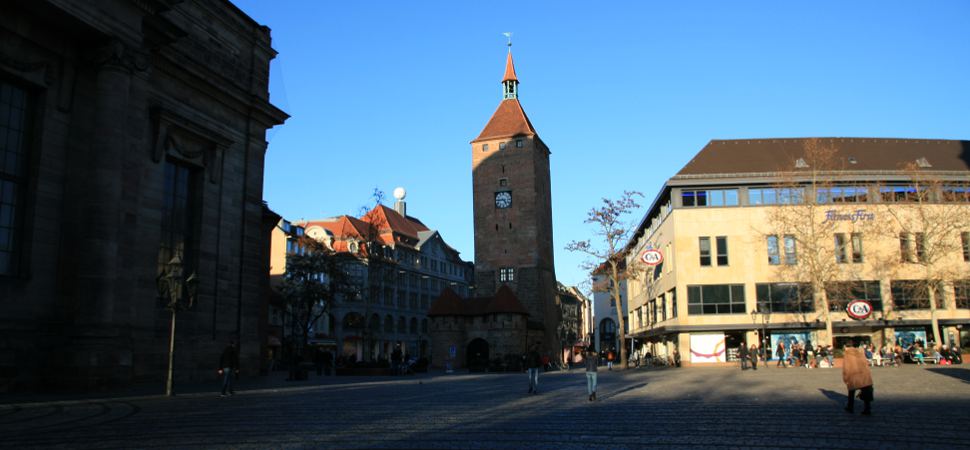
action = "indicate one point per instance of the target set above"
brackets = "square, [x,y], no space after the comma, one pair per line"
[797,354]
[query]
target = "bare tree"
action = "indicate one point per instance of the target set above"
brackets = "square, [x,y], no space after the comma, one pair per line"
[927,217]
[813,232]
[612,232]
[377,255]
[314,280]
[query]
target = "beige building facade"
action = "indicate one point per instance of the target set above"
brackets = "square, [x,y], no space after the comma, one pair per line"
[762,241]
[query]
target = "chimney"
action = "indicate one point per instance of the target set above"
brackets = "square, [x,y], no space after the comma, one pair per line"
[400,205]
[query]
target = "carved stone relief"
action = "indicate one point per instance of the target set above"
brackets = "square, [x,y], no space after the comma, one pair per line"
[179,138]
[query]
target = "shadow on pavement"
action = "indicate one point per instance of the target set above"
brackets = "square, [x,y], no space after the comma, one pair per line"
[626,389]
[834,396]
[960,374]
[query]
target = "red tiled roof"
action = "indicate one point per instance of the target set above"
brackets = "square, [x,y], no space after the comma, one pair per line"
[450,304]
[389,222]
[508,120]
[382,223]
[509,69]
[505,301]
[447,304]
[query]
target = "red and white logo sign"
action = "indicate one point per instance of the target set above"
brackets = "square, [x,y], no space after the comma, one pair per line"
[859,309]
[652,257]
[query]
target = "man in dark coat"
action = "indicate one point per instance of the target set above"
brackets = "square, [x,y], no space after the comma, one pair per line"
[743,355]
[533,362]
[228,366]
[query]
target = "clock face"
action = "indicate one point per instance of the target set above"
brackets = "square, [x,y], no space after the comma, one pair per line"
[503,199]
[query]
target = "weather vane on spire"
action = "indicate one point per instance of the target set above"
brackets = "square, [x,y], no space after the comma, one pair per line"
[508,34]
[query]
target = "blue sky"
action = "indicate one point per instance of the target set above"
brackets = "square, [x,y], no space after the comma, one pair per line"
[386,94]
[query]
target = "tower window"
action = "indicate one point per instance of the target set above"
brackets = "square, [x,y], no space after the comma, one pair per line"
[501,146]
[518,143]
[503,181]
[506,274]
[484,147]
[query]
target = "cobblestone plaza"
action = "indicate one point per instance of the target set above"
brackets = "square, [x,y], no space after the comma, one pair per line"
[915,407]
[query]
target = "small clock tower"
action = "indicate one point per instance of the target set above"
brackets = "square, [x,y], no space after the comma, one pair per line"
[513,213]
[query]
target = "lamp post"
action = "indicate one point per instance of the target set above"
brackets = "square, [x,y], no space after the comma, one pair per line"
[765,316]
[179,294]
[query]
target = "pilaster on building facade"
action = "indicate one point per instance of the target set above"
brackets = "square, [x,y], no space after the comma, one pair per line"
[512,204]
[399,266]
[134,137]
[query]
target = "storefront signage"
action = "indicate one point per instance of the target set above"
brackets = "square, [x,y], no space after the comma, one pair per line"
[859,215]
[859,309]
[652,257]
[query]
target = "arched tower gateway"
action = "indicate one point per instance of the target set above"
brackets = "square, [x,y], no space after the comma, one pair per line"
[513,214]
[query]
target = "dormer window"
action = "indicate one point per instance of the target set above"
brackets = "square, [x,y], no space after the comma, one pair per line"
[801,164]
[923,162]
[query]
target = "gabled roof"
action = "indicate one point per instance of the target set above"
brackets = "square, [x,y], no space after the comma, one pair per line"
[505,301]
[450,304]
[508,120]
[447,304]
[852,154]
[509,69]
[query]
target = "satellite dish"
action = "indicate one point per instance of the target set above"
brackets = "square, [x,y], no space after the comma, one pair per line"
[400,193]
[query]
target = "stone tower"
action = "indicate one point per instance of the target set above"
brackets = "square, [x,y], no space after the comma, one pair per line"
[513,213]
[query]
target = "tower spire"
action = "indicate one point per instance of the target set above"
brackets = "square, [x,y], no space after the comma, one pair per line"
[510,83]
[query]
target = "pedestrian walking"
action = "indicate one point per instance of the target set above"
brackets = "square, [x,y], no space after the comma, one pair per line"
[396,360]
[610,356]
[533,361]
[592,361]
[753,353]
[228,366]
[780,353]
[857,378]
[743,355]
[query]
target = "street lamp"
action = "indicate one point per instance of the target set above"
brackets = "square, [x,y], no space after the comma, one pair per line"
[179,294]
[765,316]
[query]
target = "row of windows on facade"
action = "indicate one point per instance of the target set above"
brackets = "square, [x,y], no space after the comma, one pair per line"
[656,310]
[848,248]
[293,247]
[519,143]
[758,196]
[797,297]
[355,321]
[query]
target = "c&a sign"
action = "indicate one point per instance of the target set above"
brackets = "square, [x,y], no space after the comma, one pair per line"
[859,309]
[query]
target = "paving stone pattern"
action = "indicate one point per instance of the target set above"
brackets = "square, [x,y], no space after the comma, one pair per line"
[915,407]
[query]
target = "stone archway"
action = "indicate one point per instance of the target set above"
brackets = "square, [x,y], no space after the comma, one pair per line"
[476,358]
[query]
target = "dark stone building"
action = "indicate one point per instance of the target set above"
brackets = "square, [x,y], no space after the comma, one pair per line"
[131,131]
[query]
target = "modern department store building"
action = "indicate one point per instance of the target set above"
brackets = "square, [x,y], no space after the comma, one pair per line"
[723,281]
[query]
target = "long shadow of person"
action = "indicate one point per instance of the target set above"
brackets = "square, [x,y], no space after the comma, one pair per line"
[836,397]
